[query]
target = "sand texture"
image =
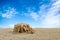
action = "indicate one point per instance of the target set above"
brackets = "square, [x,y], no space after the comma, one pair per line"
[40,34]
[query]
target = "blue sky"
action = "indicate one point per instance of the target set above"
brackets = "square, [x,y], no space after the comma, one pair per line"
[37,13]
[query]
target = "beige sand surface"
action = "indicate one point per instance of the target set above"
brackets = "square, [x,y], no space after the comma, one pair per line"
[40,34]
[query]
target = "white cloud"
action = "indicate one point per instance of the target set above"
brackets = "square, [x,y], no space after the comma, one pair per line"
[11,25]
[34,15]
[48,18]
[52,19]
[31,13]
[9,13]
[51,22]
[7,26]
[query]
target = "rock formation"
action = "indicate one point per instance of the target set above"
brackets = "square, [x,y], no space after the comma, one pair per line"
[22,27]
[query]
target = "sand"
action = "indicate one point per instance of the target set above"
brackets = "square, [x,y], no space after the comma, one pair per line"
[40,34]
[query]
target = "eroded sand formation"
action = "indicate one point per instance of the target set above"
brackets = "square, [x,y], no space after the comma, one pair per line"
[22,27]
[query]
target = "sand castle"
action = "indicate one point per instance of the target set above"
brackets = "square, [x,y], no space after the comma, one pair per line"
[22,27]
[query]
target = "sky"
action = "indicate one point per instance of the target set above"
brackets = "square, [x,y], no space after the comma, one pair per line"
[37,13]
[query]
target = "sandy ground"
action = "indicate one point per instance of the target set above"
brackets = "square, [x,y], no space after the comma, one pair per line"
[40,34]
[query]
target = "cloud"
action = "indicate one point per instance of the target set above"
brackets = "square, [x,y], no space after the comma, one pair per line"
[34,15]
[31,13]
[52,17]
[9,13]
[7,26]
[11,25]
[48,16]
